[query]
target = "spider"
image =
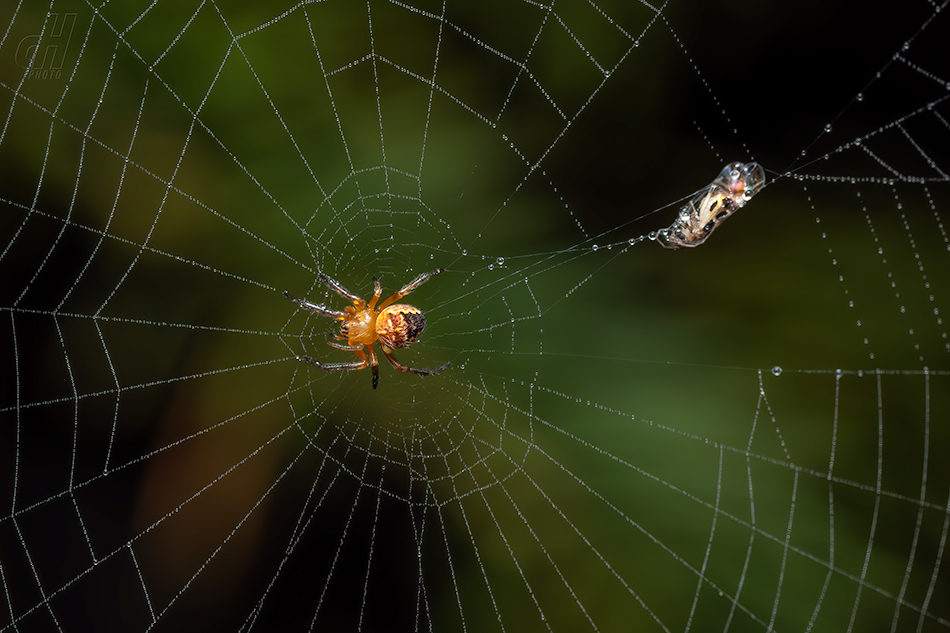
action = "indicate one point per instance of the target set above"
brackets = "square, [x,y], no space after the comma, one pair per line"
[394,325]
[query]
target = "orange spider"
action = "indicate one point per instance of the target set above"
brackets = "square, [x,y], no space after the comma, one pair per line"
[394,326]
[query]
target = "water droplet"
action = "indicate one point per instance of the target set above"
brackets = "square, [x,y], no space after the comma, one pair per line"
[859,96]
[500,261]
[464,252]
[595,247]
[431,255]
[776,371]
[491,267]
[838,373]
[652,236]
[828,127]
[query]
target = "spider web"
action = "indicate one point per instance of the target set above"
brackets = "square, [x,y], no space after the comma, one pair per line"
[745,436]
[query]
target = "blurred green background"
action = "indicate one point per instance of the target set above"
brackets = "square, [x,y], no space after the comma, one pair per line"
[611,448]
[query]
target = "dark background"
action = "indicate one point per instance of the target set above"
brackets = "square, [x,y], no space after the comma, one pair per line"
[167,464]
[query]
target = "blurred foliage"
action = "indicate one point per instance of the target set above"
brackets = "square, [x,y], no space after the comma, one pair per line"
[611,424]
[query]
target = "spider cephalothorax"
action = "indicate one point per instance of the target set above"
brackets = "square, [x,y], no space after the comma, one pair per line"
[394,326]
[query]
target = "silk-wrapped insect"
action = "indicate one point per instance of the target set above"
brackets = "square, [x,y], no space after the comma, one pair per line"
[736,184]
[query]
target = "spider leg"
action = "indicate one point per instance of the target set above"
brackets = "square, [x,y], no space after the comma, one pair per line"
[412,285]
[411,370]
[374,363]
[378,290]
[316,307]
[335,285]
[346,348]
[362,363]
[336,366]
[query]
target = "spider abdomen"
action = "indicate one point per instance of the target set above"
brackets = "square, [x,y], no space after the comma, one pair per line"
[399,325]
